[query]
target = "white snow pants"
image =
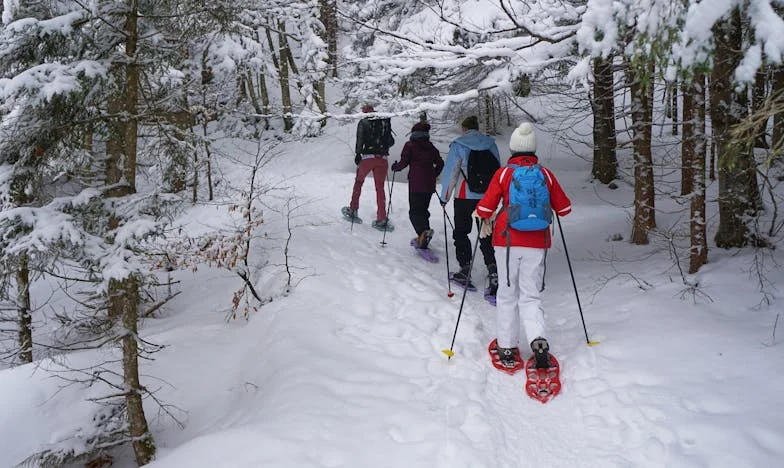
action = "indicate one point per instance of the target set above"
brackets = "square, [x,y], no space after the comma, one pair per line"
[521,300]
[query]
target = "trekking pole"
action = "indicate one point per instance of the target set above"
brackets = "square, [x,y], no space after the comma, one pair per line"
[577,296]
[449,351]
[446,216]
[446,253]
[389,207]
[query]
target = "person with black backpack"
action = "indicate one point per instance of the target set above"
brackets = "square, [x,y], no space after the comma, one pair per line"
[471,162]
[529,194]
[374,138]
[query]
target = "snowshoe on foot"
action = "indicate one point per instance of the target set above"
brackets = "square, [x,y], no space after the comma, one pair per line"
[505,359]
[350,215]
[423,239]
[545,383]
[427,254]
[461,278]
[383,225]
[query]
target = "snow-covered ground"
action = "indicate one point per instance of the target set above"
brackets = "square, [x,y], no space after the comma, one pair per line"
[347,369]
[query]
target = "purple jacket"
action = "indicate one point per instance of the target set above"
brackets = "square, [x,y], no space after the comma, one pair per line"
[425,162]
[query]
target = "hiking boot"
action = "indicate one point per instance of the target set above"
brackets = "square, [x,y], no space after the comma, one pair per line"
[462,275]
[492,284]
[506,356]
[349,213]
[461,278]
[541,350]
[423,239]
[382,224]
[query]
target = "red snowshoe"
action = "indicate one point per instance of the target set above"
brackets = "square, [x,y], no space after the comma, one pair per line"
[496,359]
[542,383]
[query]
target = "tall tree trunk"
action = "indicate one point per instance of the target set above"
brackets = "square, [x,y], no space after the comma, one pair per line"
[605,162]
[24,309]
[700,103]
[21,195]
[698,250]
[285,92]
[674,106]
[329,18]
[265,100]
[123,294]
[726,111]
[688,143]
[642,133]
[777,141]
[757,102]
[320,97]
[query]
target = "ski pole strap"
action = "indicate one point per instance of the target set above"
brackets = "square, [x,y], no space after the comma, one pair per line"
[544,271]
[508,245]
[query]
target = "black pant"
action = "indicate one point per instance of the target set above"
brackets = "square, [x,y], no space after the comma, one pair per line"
[418,212]
[464,209]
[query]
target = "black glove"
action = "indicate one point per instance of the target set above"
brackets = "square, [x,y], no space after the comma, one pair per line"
[395,168]
[357,159]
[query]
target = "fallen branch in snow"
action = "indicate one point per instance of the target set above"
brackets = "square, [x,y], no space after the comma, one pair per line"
[160,304]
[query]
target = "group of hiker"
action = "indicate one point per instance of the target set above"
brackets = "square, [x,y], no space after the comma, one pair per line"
[513,239]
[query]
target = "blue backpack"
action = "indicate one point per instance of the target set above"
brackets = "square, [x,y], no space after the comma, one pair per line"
[528,207]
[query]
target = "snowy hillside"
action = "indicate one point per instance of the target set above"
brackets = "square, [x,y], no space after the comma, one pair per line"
[347,369]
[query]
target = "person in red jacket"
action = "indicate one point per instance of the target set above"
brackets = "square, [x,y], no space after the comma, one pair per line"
[425,164]
[519,298]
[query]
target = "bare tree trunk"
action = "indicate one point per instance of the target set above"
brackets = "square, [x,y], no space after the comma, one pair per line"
[265,100]
[285,92]
[642,119]
[329,18]
[777,141]
[688,143]
[605,162]
[207,116]
[698,251]
[726,112]
[123,294]
[24,308]
[321,100]
[757,102]
[195,186]
[674,106]
[21,196]
[701,103]
[249,90]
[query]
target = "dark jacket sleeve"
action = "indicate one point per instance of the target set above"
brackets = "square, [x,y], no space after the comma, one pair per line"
[405,157]
[438,162]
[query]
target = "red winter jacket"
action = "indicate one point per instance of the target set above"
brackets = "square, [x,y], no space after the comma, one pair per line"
[499,189]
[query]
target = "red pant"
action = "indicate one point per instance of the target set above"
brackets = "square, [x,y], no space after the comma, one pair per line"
[378,166]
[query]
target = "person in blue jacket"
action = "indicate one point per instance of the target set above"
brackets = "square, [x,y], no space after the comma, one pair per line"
[454,183]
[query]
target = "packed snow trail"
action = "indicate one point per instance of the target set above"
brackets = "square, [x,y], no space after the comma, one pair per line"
[359,375]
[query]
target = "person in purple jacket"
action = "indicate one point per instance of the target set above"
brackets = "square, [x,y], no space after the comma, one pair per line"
[425,164]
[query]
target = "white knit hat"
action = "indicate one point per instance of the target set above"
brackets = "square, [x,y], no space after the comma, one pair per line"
[523,139]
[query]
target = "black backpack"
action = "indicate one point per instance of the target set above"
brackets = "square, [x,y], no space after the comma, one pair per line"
[482,164]
[378,137]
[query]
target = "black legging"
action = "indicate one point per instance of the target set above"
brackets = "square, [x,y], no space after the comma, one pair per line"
[464,209]
[418,212]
